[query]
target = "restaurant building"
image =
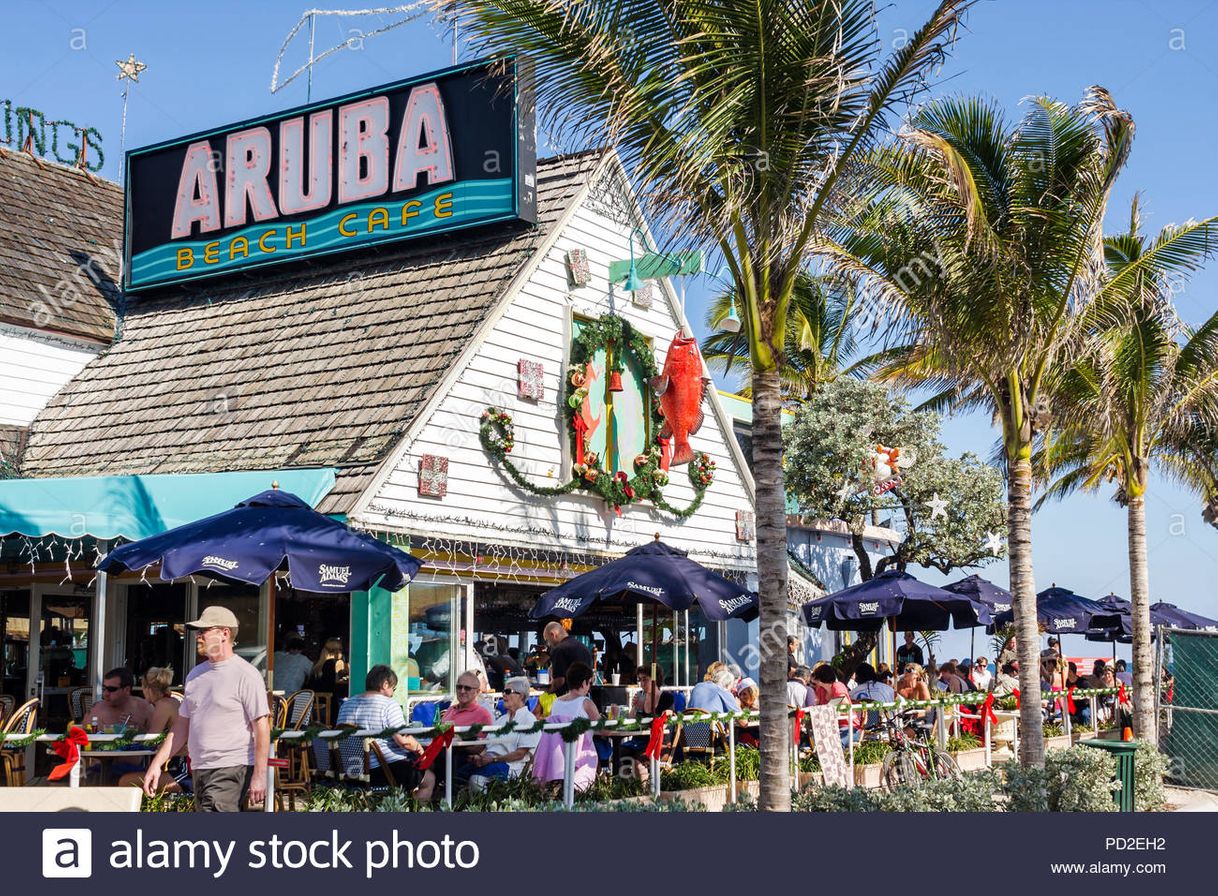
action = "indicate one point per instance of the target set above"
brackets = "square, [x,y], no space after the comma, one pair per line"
[60,257]
[360,379]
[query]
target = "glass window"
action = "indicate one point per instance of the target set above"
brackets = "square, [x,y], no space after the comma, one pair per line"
[246,603]
[156,629]
[433,662]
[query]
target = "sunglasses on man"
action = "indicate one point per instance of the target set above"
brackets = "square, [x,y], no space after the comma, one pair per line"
[110,689]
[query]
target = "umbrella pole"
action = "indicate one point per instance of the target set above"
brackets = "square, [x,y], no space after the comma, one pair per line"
[270,632]
[972,633]
[638,642]
[655,631]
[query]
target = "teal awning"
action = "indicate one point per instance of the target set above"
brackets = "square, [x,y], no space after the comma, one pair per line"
[135,507]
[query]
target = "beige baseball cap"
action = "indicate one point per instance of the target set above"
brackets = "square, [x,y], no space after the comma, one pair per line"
[215,616]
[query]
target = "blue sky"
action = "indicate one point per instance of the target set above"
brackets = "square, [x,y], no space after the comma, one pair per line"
[211,63]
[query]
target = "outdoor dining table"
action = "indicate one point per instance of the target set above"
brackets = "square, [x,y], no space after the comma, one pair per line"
[616,737]
[106,758]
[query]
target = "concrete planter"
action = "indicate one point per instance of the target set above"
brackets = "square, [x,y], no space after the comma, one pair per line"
[714,799]
[1003,732]
[1059,742]
[970,760]
[807,778]
[867,776]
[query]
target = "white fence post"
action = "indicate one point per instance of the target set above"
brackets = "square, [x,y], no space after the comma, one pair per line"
[448,776]
[268,805]
[568,774]
[850,752]
[731,758]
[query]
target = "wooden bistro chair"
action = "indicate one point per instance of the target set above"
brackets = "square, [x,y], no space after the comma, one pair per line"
[80,701]
[299,715]
[701,738]
[12,760]
[279,710]
[7,705]
[300,710]
[296,780]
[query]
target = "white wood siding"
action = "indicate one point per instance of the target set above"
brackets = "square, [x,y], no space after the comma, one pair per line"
[32,369]
[482,504]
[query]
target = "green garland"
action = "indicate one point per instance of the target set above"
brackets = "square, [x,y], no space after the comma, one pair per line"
[620,489]
[20,743]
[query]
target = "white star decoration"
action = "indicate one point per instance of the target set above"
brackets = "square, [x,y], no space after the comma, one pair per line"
[937,506]
[993,543]
[129,68]
[844,492]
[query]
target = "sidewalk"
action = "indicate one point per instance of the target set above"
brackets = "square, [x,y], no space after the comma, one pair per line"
[1181,800]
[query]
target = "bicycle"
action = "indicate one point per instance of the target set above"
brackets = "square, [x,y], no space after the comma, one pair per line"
[913,760]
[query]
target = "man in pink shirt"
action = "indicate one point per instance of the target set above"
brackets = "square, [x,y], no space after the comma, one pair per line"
[467,710]
[224,719]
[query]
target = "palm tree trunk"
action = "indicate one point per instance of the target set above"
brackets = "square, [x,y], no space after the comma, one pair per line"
[1023,593]
[775,783]
[1139,596]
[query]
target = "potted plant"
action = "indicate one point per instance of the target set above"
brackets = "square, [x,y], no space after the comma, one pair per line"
[1056,737]
[968,751]
[868,760]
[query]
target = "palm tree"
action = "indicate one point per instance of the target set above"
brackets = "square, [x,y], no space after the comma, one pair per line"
[986,241]
[821,336]
[1146,393]
[739,122]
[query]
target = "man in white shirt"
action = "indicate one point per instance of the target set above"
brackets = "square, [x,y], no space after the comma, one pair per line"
[505,755]
[224,720]
[797,686]
[292,668]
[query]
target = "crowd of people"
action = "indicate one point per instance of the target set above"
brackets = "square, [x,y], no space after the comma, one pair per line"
[222,719]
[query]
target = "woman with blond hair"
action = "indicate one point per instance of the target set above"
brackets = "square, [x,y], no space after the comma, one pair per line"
[912,683]
[330,673]
[157,681]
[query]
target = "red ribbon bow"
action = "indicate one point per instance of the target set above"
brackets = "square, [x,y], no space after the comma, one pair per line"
[1015,691]
[655,744]
[1122,697]
[69,750]
[799,722]
[987,709]
[1070,699]
[439,743]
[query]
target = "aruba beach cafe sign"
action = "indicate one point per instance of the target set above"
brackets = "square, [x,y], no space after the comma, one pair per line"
[443,151]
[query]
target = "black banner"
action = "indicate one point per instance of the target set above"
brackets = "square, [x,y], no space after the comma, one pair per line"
[431,154]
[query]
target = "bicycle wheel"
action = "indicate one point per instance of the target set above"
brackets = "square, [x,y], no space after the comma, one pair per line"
[944,767]
[898,769]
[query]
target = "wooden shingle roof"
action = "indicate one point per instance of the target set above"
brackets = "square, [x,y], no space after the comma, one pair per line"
[61,234]
[323,368]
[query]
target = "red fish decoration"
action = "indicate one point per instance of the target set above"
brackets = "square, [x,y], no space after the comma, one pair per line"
[680,388]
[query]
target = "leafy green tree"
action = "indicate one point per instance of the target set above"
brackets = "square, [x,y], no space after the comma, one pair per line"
[821,337]
[741,124]
[1144,394]
[944,507]
[986,240]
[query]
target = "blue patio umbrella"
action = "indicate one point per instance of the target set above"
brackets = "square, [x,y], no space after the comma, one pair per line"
[1059,611]
[983,591]
[996,598]
[898,598]
[654,572]
[1174,617]
[271,531]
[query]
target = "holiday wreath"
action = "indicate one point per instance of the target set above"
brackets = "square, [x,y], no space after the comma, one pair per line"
[618,489]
